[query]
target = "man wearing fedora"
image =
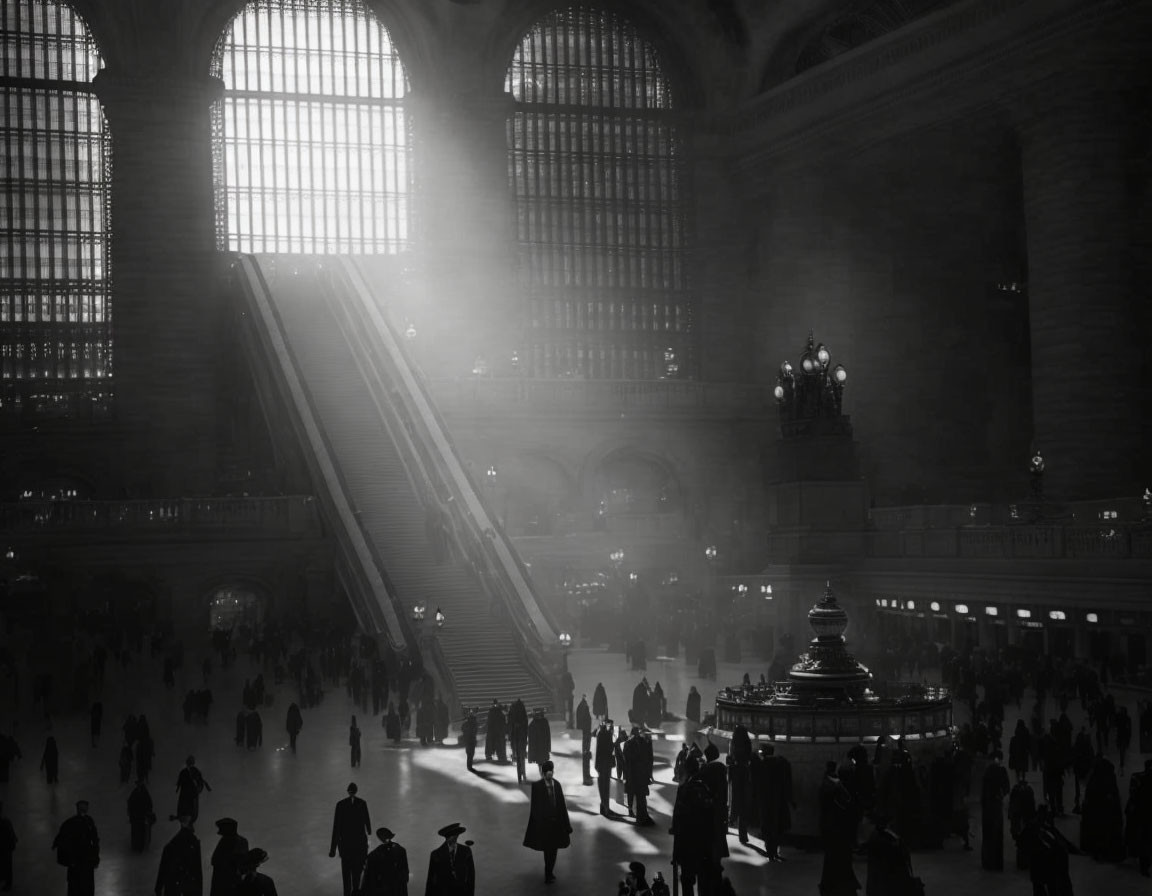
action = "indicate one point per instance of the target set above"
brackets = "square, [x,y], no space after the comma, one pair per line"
[229,854]
[386,870]
[451,871]
[253,882]
[548,825]
[350,830]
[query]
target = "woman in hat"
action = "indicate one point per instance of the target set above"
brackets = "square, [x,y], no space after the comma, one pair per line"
[451,871]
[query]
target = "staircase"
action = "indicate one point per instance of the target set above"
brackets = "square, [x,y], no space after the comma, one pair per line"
[479,644]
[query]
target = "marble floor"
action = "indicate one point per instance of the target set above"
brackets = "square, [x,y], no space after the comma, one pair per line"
[284,802]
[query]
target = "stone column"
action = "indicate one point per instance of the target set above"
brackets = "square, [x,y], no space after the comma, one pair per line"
[1085,356]
[167,325]
[464,229]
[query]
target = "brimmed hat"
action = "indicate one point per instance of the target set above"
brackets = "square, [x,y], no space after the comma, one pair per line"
[547,766]
[254,858]
[452,830]
[636,868]
[384,834]
[223,824]
[352,788]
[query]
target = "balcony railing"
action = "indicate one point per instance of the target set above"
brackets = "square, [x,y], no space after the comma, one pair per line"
[272,517]
[1096,541]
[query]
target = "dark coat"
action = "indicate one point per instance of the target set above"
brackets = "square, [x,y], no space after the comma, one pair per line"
[994,788]
[583,716]
[468,733]
[694,842]
[1102,819]
[548,825]
[518,725]
[772,783]
[77,843]
[230,850]
[600,701]
[889,865]
[350,827]
[638,764]
[294,721]
[715,775]
[605,751]
[451,878]
[386,871]
[181,871]
[497,731]
[539,739]
[692,708]
[256,884]
[139,805]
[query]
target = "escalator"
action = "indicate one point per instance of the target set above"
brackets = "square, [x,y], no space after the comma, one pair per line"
[410,526]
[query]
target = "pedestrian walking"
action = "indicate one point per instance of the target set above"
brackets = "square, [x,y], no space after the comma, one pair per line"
[181,872]
[228,858]
[77,846]
[451,868]
[354,742]
[549,829]
[350,829]
[141,816]
[386,868]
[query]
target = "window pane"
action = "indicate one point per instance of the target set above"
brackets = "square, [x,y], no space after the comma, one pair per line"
[314,135]
[53,240]
[593,164]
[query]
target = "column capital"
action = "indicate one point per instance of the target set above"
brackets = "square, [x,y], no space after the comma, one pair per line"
[151,97]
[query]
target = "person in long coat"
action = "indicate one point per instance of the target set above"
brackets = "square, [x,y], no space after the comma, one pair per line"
[600,702]
[605,762]
[1021,812]
[292,724]
[519,736]
[1020,750]
[692,830]
[451,869]
[641,697]
[391,721]
[638,774]
[1083,754]
[772,785]
[468,737]
[386,869]
[228,857]
[350,829]
[181,871]
[496,735]
[50,761]
[715,775]
[1102,817]
[190,784]
[539,739]
[839,817]
[692,707]
[77,846]
[993,789]
[140,816]
[253,730]
[549,829]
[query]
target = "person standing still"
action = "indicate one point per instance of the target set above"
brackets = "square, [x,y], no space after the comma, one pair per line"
[354,742]
[549,829]
[350,830]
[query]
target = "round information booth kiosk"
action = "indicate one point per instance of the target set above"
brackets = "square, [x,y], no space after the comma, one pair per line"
[828,704]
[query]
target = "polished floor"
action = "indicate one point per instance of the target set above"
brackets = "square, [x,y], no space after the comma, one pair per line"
[284,802]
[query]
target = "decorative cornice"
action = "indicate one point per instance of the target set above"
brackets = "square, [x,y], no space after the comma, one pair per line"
[881,81]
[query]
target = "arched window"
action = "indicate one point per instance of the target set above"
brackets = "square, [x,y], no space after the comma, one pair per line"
[55,334]
[594,164]
[312,142]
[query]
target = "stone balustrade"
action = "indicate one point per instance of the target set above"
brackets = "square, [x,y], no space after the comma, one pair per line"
[1096,541]
[273,517]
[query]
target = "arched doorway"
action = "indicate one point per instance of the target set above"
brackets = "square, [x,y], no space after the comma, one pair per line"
[236,606]
[628,481]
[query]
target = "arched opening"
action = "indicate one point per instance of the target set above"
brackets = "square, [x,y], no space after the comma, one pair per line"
[312,141]
[55,322]
[594,161]
[628,481]
[236,607]
[537,496]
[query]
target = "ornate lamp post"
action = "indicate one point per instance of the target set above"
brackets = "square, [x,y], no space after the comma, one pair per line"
[818,390]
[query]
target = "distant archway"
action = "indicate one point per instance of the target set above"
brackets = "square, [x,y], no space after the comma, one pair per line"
[235,606]
[631,481]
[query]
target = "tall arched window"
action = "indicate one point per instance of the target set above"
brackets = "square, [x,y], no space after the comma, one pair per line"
[594,164]
[55,333]
[312,141]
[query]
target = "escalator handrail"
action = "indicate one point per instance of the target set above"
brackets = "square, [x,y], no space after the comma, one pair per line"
[457,475]
[394,627]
